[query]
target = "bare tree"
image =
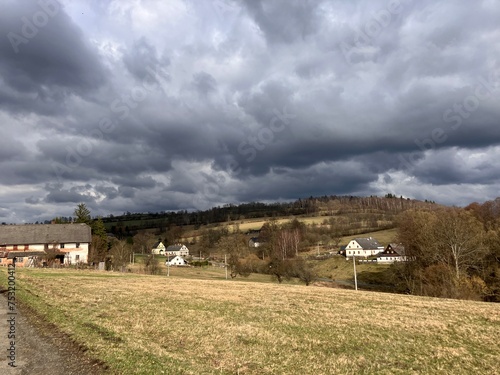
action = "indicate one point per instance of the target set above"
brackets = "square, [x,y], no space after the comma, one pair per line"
[287,241]
[459,237]
[236,247]
[98,249]
[303,271]
[143,242]
[120,252]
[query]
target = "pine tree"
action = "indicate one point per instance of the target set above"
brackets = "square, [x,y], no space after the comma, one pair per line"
[98,228]
[82,214]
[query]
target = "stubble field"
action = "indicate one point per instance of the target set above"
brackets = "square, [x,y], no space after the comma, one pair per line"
[140,324]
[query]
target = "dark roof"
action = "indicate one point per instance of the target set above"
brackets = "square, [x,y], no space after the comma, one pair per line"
[174,247]
[399,249]
[156,244]
[368,243]
[44,234]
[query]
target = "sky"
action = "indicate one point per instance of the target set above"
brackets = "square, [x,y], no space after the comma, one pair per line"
[153,105]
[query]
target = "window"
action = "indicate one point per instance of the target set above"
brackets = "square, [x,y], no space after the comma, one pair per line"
[62,246]
[78,245]
[20,259]
[46,246]
[77,257]
[26,247]
[14,247]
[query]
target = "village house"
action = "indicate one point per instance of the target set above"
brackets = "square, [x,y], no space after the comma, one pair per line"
[392,253]
[254,242]
[29,244]
[179,249]
[176,261]
[158,248]
[363,247]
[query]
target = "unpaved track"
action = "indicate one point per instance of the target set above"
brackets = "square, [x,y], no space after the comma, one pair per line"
[41,349]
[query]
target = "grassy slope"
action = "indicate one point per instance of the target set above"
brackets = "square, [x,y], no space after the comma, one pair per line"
[153,324]
[383,236]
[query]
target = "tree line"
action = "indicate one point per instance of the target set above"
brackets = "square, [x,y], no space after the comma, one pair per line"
[129,223]
[452,252]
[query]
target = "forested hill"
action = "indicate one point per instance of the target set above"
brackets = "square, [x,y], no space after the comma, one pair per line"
[376,208]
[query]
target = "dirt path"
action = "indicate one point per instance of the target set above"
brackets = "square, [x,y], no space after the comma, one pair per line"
[40,349]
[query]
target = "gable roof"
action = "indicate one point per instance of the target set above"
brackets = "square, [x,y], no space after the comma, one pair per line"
[176,258]
[368,243]
[399,249]
[157,244]
[44,234]
[174,247]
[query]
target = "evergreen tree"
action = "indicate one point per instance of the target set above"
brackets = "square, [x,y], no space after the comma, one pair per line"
[98,228]
[82,214]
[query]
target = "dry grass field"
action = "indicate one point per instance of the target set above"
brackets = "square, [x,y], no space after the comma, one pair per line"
[142,324]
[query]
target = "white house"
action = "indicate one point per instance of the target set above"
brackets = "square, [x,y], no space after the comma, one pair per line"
[179,249]
[176,261]
[69,242]
[158,248]
[254,242]
[363,247]
[392,253]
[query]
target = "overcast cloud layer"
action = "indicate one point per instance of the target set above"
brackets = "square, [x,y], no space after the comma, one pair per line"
[183,104]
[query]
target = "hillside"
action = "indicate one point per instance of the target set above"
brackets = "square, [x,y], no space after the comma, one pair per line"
[139,324]
[351,213]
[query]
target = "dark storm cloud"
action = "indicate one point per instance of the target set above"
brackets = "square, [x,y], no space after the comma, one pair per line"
[181,105]
[45,57]
[57,194]
[141,58]
[204,83]
[285,21]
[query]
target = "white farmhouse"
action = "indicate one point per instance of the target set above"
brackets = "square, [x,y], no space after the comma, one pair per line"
[363,247]
[176,261]
[69,242]
[178,249]
[392,253]
[158,248]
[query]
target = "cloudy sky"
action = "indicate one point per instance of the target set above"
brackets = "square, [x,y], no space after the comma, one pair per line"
[152,105]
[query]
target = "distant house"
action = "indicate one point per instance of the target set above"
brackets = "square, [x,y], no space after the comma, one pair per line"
[158,248]
[176,261]
[69,243]
[254,242]
[179,249]
[392,253]
[363,247]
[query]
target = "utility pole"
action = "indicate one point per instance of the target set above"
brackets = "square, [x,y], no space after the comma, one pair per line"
[168,266]
[225,263]
[355,277]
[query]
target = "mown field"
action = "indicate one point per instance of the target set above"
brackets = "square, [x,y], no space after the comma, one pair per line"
[142,324]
